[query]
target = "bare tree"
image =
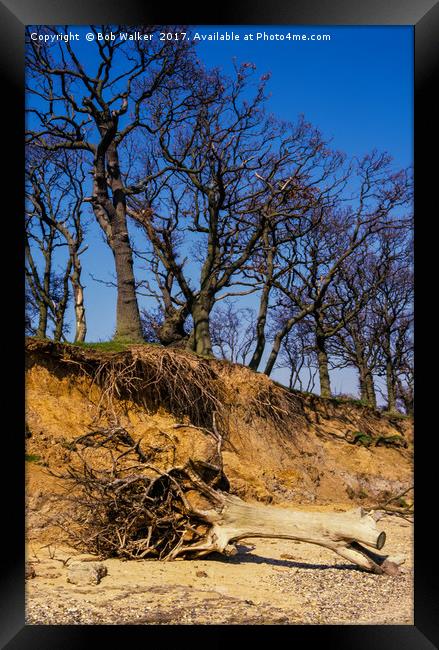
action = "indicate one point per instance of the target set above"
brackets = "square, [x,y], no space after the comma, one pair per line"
[353,320]
[31,311]
[48,286]
[355,345]
[405,377]
[237,174]
[393,310]
[232,331]
[91,105]
[49,289]
[55,197]
[172,311]
[214,141]
[309,185]
[355,342]
[312,264]
[298,356]
[39,278]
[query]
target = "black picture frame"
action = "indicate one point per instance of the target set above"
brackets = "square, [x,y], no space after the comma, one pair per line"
[424,16]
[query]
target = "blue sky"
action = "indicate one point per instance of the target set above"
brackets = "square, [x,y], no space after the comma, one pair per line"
[356,88]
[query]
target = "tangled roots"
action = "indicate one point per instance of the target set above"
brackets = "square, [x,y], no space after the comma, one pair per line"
[186,386]
[123,506]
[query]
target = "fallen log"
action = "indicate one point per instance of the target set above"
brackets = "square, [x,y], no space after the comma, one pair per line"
[231,519]
[128,508]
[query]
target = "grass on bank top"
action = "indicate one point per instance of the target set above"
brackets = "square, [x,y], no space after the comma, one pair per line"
[121,346]
[106,346]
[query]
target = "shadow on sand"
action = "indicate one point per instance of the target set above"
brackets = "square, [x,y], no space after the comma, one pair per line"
[245,556]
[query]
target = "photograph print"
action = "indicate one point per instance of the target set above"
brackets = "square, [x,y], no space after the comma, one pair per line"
[219,325]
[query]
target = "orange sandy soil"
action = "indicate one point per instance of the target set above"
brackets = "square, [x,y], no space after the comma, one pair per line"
[270,581]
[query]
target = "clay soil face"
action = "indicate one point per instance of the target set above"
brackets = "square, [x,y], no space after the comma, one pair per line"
[309,461]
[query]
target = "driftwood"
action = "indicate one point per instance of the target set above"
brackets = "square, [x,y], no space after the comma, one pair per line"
[126,507]
[231,519]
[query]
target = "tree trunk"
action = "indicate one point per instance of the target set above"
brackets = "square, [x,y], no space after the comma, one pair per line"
[172,331]
[390,385]
[367,387]
[232,520]
[128,323]
[78,295]
[200,338]
[370,389]
[405,394]
[362,385]
[59,327]
[322,358]
[263,306]
[390,378]
[80,320]
[42,320]
[43,299]
[60,309]
[275,348]
[260,329]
